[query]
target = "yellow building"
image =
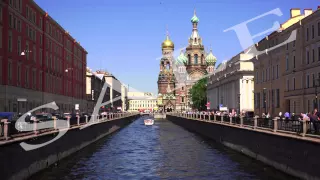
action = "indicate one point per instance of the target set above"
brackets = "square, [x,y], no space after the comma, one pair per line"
[143,103]
[285,78]
[140,101]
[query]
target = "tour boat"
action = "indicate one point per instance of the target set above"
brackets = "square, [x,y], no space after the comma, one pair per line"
[148,122]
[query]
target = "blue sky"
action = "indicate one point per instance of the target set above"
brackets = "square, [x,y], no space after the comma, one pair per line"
[125,36]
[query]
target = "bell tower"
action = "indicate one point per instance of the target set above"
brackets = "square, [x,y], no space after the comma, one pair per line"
[166,77]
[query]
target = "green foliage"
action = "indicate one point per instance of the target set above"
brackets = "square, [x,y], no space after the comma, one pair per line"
[198,94]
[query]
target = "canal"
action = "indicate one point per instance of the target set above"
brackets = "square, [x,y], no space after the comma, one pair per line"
[161,151]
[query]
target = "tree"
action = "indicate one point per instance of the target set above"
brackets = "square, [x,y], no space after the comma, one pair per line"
[198,94]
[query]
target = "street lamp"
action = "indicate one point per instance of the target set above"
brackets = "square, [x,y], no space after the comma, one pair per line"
[23,53]
[265,100]
[316,91]
[68,69]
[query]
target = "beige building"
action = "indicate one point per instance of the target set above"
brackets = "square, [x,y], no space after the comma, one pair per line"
[232,83]
[286,76]
[140,101]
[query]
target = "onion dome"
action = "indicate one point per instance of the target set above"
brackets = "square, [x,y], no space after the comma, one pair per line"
[194,19]
[182,59]
[211,59]
[167,44]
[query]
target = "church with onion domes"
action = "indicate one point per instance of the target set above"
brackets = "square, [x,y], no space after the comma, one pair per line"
[177,76]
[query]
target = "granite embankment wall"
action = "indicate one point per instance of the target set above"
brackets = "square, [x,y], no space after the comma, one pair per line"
[16,163]
[294,155]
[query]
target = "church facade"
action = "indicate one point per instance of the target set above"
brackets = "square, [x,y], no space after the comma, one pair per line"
[177,76]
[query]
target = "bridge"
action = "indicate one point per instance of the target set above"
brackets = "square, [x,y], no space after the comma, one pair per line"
[155,115]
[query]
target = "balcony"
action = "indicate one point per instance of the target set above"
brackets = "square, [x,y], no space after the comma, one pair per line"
[299,92]
[296,92]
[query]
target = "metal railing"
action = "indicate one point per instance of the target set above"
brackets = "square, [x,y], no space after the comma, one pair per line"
[8,129]
[294,125]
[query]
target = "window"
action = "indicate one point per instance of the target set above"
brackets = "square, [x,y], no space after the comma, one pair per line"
[313,55]
[1,14]
[1,37]
[27,50]
[27,12]
[277,98]
[40,57]
[294,83]
[50,61]
[313,81]
[41,39]
[19,45]
[307,58]
[19,74]
[34,79]
[277,71]
[34,52]
[47,59]
[15,23]
[40,22]
[307,81]
[9,71]
[10,20]
[318,53]
[258,99]
[182,99]
[318,28]
[19,25]
[312,31]
[196,59]
[182,88]
[287,62]
[20,5]
[307,31]
[294,61]
[27,78]
[10,42]
[288,85]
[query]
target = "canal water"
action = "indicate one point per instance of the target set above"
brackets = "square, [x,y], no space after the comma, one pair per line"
[161,151]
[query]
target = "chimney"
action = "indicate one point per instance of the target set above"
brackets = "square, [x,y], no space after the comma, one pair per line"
[294,12]
[307,12]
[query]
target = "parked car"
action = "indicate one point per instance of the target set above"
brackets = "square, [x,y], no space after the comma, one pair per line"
[43,116]
[249,114]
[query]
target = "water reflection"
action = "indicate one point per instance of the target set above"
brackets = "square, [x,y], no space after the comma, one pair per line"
[161,151]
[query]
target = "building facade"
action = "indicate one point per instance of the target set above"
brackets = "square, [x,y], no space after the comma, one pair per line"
[177,76]
[115,86]
[142,103]
[40,62]
[287,77]
[94,85]
[231,85]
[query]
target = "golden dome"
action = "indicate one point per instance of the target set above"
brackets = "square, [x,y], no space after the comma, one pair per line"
[167,44]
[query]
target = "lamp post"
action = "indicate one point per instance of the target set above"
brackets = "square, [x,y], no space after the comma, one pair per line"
[67,70]
[265,100]
[316,92]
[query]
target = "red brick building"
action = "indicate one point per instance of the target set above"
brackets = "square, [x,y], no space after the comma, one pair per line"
[39,61]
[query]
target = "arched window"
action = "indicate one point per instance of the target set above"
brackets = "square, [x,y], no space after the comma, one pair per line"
[189,59]
[195,40]
[196,59]
[168,66]
[202,59]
